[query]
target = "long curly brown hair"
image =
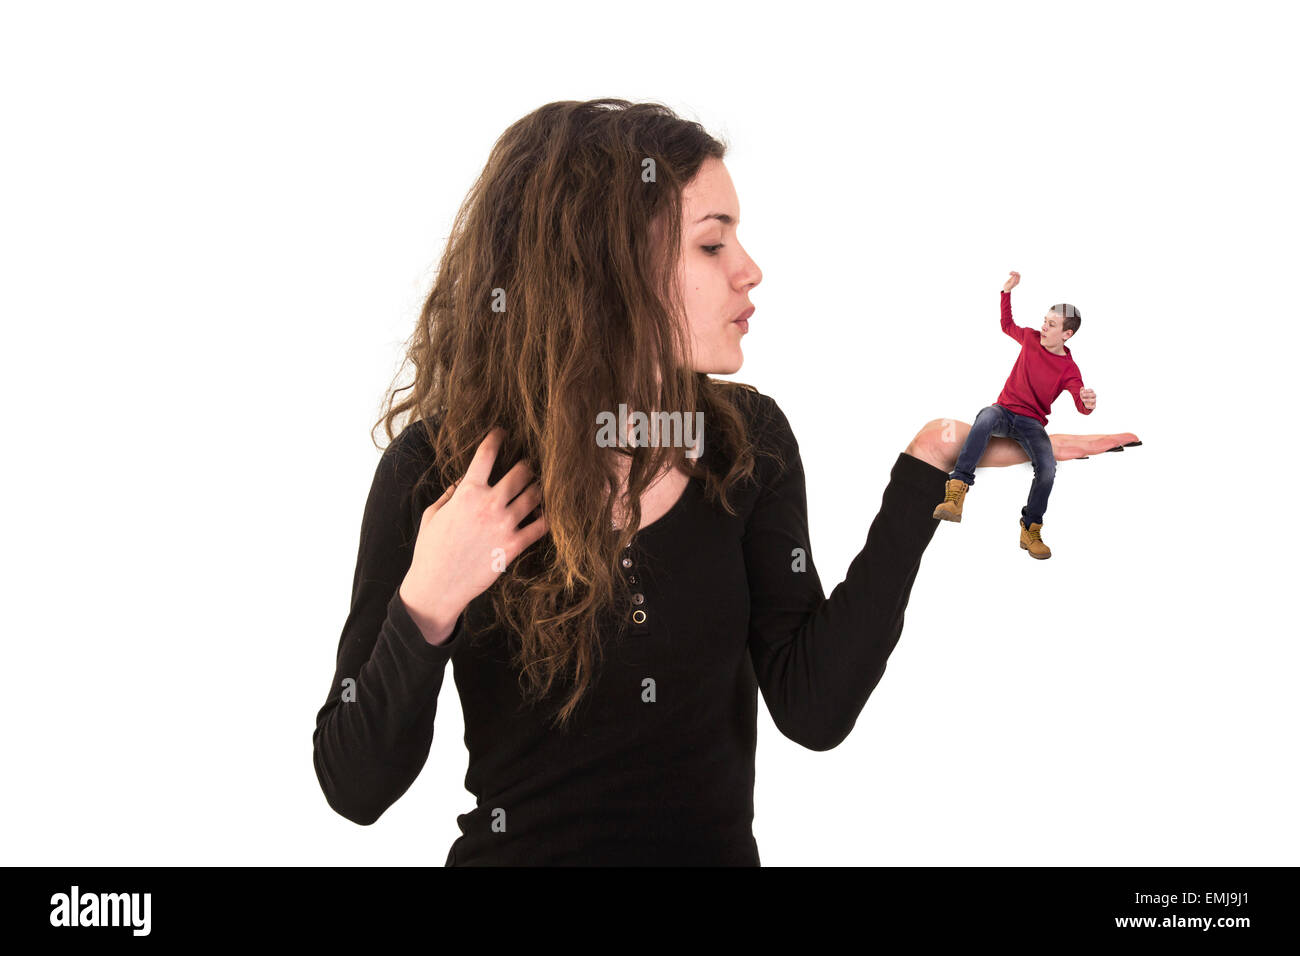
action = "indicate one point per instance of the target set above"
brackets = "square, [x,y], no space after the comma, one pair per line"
[566,228]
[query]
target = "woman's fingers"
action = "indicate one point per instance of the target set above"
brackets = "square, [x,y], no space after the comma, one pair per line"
[522,506]
[1068,447]
[532,531]
[442,500]
[480,468]
[514,481]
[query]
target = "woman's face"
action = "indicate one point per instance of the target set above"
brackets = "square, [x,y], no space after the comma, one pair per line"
[715,272]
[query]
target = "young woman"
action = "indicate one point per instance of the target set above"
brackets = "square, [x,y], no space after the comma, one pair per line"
[612,611]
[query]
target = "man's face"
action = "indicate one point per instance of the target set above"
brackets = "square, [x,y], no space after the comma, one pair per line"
[1053,335]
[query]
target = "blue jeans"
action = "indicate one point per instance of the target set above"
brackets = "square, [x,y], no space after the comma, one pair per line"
[998,422]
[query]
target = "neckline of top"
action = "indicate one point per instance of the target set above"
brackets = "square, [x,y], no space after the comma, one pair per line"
[1066,355]
[672,512]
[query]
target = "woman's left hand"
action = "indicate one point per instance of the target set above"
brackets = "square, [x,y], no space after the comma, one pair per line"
[940,440]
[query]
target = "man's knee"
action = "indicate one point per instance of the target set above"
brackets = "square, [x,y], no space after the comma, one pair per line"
[987,421]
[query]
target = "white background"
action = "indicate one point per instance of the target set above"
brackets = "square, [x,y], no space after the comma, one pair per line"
[219,222]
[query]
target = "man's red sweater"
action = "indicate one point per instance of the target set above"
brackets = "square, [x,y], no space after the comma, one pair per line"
[1039,376]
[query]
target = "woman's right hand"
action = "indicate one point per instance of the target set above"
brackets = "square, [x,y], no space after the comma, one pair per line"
[467,538]
[1012,282]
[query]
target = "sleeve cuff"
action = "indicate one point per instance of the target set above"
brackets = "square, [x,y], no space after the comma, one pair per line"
[914,474]
[412,638]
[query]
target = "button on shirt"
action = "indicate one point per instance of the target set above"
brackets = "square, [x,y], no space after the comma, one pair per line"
[657,766]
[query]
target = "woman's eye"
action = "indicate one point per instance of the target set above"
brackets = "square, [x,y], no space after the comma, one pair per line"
[712,250]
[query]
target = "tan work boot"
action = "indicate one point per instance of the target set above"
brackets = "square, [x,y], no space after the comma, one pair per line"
[1032,541]
[953,495]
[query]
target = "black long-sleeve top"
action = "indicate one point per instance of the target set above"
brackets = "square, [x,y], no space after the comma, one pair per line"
[658,766]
